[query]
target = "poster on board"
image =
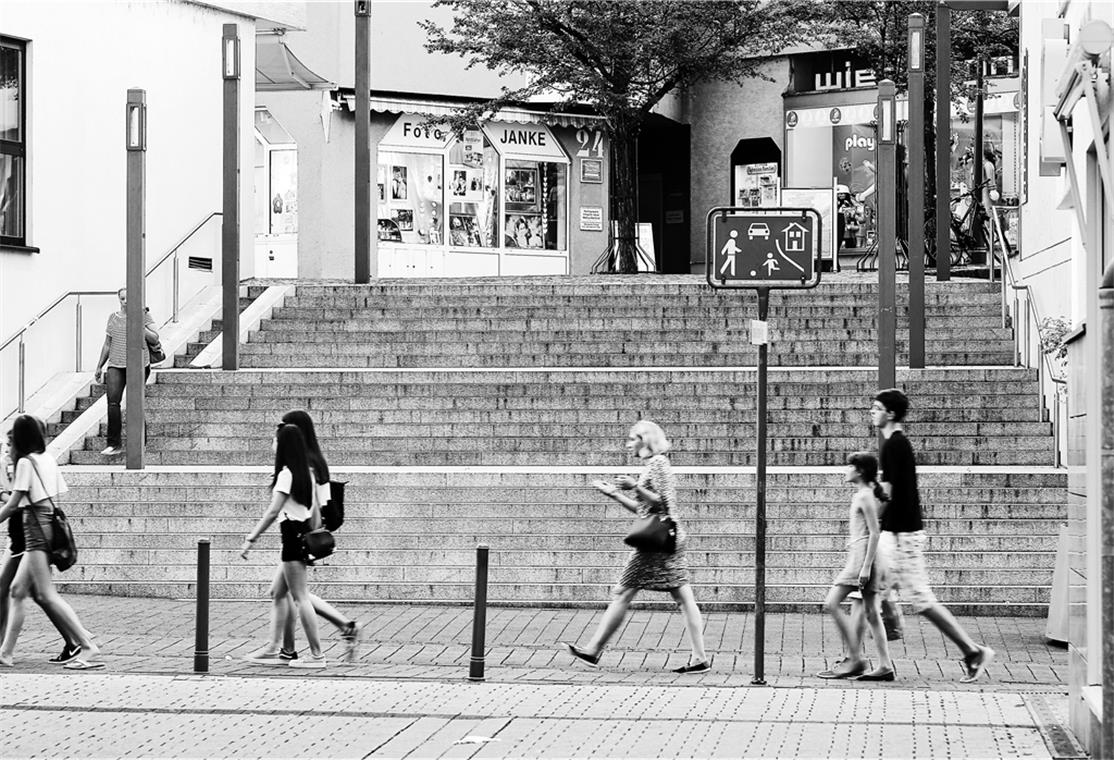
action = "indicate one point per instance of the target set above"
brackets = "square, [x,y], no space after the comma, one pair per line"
[823,200]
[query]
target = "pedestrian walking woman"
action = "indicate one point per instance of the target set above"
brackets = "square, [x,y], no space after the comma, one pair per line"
[295,504]
[653,491]
[114,353]
[349,628]
[35,484]
[861,572]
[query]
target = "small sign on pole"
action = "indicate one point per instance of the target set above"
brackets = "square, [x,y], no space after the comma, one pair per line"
[761,249]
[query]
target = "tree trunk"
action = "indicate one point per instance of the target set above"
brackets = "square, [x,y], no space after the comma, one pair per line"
[624,175]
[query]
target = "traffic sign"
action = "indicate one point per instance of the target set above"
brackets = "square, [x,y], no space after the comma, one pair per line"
[763,247]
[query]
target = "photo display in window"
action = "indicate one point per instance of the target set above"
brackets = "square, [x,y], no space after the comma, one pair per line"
[473,192]
[535,205]
[409,198]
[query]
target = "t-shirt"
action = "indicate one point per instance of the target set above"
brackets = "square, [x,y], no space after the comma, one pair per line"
[117,332]
[50,485]
[899,469]
[292,509]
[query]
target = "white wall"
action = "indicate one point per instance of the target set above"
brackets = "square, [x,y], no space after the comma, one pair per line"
[82,58]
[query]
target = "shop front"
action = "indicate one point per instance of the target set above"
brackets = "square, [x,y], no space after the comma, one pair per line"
[514,196]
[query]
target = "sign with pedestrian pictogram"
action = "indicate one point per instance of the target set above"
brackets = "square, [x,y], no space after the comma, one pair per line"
[763,247]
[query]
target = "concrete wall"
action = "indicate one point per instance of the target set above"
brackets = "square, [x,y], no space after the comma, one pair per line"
[721,114]
[82,58]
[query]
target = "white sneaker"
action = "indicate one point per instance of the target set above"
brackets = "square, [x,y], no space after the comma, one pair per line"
[111,451]
[313,662]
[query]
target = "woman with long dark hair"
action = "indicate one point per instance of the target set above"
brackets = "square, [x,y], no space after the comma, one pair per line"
[861,572]
[296,505]
[35,484]
[349,628]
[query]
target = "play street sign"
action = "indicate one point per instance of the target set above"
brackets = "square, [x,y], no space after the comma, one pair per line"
[763,247]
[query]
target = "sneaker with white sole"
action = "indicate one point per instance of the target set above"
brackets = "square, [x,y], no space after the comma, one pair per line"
[313,662]
[111,451]
[267,658]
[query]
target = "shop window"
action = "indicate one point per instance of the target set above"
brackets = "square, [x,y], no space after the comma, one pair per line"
[276,176]
[409,188]
[473,192]
[535,205]
[13,142]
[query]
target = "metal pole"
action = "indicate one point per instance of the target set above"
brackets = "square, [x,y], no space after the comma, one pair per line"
[230,219]
[174,263]
[1106,422]
[759,678]
[77,335]
[136,143]
[479,617]
[22,373]
[915,137]
[943,141]
[363,210]
[201,642]
[887,235]
[1016,332]
[979,176]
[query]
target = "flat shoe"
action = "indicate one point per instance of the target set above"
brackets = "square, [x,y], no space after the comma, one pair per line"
[696,667]
[591,660]
[80,664]
[843,670]
[878,675]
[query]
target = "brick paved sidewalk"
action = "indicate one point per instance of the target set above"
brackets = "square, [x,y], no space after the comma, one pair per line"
[523,644]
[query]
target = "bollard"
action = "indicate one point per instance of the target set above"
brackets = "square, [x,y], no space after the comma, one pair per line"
[201,645]
[479,616]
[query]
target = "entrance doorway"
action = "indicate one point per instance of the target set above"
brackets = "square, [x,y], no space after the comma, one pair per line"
[276,198]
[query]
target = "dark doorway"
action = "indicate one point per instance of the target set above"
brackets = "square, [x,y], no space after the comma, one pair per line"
[664,189]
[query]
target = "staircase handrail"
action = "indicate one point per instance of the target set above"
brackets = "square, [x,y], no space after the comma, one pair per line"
[1032,317]
[18,334]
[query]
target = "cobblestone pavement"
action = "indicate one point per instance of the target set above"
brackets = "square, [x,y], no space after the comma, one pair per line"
[407,695]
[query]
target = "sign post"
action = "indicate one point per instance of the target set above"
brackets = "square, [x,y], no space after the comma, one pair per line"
[761,249]
[887,235]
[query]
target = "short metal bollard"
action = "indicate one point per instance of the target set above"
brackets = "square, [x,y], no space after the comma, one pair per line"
[479,616]
[201,645]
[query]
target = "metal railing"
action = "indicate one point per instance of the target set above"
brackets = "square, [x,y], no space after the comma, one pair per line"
[21,333]
[1047,380]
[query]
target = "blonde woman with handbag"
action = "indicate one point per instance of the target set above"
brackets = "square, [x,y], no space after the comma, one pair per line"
[653,492]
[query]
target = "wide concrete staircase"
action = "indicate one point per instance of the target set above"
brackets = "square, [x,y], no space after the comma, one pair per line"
[478,411]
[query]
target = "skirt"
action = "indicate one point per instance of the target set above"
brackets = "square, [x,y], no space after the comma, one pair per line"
[849,575]
[38,532]
[293,547]
[656,571]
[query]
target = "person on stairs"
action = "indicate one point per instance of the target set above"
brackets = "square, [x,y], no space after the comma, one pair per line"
[349,628]
[13,556]
[295,503]
[903,537]
[653,491]
[114,353]
[35,484]
[860,572]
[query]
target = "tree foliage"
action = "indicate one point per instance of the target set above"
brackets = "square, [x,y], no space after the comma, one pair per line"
[619,58]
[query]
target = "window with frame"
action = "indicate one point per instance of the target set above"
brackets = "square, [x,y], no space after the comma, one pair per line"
[13,141]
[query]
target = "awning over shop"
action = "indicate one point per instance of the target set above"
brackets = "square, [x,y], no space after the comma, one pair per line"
[828,116]
[277,68]
[441,108]
[414,133]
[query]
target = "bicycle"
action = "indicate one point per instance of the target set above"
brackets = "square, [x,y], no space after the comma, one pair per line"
[967,237]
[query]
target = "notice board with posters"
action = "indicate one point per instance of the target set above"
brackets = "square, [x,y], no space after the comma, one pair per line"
[823,200]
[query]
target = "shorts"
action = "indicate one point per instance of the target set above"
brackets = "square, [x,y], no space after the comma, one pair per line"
[905,570]
[293,547]
[38,532]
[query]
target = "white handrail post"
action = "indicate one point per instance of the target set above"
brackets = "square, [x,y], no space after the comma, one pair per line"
[77,334]
[22,365]
[174,296]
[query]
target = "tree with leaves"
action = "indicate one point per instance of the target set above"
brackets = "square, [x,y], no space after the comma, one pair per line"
[620,58]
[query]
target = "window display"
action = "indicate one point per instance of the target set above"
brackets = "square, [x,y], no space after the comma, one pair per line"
[535,205]
[473,192]
[409,193]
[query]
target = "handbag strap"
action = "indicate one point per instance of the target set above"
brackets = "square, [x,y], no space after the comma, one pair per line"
[38,474]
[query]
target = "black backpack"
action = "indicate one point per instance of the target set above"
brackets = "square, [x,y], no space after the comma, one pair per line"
[332,513]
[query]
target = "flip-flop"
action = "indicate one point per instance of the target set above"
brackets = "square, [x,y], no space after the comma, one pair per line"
[83,665]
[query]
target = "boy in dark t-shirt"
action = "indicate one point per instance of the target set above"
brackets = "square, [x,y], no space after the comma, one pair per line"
[903,539]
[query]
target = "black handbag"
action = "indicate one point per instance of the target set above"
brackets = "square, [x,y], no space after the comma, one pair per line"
[332,513]
[154,351]
[319,543]
[655,533]
[63,548]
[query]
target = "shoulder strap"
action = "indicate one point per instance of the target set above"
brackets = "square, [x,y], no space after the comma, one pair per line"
[41,482]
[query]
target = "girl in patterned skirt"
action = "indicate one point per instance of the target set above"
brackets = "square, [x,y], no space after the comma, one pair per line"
[652,492]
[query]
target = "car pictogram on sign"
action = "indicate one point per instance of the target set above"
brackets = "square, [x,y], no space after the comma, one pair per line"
[758,230]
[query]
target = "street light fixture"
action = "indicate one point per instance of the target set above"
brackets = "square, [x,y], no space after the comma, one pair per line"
[363,8]
[916,43]
[136,125]
[887,112]
[230,55]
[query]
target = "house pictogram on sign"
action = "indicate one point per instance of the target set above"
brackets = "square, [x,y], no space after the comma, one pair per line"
[794,233]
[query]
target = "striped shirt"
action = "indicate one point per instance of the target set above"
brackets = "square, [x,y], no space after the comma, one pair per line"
[117,332]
